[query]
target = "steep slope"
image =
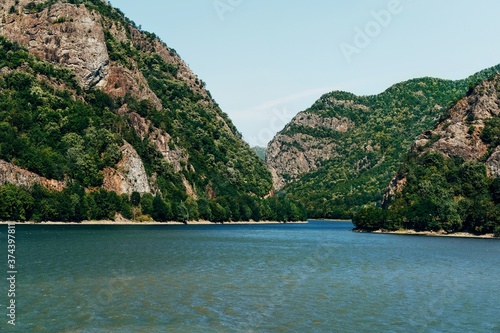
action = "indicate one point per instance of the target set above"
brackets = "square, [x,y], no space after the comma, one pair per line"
[93,102]
[450,180]
[340,154]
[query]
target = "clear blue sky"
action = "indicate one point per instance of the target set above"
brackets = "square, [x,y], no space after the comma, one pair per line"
[266,60]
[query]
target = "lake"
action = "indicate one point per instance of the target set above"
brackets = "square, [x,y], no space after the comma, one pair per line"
[317,277]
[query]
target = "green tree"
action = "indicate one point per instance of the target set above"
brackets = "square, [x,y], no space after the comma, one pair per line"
[147,204]
[495,190]
[16,203]
[135,199]
[181,212]
[192,207]
[369,218]
[219,214]
[204,209]
[161,212]
[126,208]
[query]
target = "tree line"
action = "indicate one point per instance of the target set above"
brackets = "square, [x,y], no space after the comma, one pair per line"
[441,193]
[75,204]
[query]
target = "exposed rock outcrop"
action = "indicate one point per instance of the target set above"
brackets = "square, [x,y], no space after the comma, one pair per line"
[129,175]
[493,163]
[460,134]
[63,34]
[144,128]
[12,174]
[396,186]
[315,121]
[73,36]
[122,81]
[295,156]
[291,156]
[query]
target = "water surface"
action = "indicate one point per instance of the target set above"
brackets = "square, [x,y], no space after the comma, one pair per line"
[319,277]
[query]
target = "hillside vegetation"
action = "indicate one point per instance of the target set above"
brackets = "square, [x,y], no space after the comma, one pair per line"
[59,124]
[351,146]
[450,180]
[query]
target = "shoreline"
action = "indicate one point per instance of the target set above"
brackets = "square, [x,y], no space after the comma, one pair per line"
[125,223]
[429,234]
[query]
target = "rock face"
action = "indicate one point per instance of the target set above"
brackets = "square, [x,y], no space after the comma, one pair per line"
[493,163]
[315,121]
[460,134]
[73,36]
[12,174]
[129,175]
[122,81]
[396,186]
[146,130]
[64,34]
[291,156]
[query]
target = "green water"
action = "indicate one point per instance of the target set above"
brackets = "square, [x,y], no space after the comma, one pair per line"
[319,277]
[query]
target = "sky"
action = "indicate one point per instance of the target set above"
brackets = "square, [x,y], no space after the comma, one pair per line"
[266,60]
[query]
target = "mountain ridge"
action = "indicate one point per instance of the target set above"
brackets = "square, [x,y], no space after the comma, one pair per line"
[344,149]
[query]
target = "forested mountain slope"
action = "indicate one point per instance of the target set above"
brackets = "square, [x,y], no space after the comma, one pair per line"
[450,179]
[108,112]
[341,153]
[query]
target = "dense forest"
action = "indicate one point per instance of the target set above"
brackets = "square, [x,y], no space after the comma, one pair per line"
[74,204]
[441,194]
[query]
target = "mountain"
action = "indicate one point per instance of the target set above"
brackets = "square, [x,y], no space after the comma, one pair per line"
[98,117]
[341,153]
[451,178]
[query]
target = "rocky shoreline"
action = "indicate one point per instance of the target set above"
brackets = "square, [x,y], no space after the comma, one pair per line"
[430,233]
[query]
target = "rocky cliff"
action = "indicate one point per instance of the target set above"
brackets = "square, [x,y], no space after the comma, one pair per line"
[291,156]
[62,33]
[461,134]
[129,174]
[12,174]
